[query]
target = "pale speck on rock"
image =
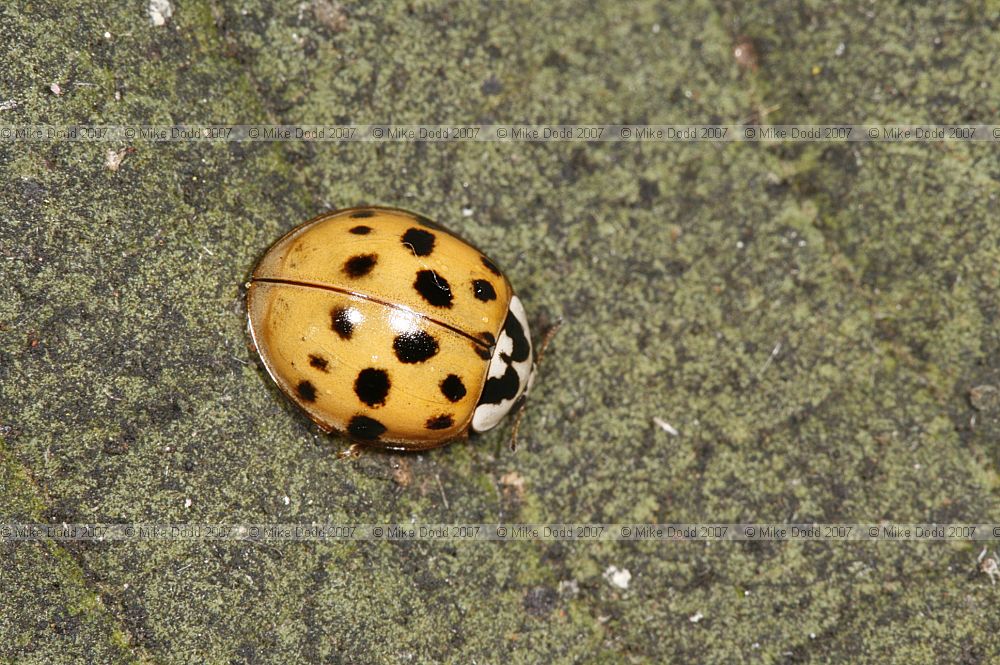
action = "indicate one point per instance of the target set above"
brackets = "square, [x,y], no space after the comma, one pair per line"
[160,11]
[619,577]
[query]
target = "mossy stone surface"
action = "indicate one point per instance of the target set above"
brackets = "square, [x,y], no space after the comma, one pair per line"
[819,321]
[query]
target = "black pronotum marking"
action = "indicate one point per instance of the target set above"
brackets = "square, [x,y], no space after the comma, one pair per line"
[434,288]
[361,214]
[420,241]
[340,321]
[522,348]
[483,290]
[319,362]
[372,386]
[497,389]
[363,427]
[361,230]
[414,347]
[306,391]
[453,388]
[492,267]
[360,265]
[439,422]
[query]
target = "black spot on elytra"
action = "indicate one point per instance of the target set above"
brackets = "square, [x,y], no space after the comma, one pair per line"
[360,265]
[363,427]
[414,347]
[483,290]
[434,288]
[372,386]
[453,388]
[420,241]
[440,422]
[306,391]
[522,348]
[488,337]
[340,321]
[498,389]
[492,267]
[319,362]
[362,214]
[361,230]
[485,354]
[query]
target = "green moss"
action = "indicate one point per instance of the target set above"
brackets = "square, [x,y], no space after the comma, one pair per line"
[50,611]
[809,317]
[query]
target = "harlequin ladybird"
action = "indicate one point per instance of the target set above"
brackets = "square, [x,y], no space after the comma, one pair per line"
[385,327]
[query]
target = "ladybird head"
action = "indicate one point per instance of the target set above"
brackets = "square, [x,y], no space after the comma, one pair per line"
[511,372]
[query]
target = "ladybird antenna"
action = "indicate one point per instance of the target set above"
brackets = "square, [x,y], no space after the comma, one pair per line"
[547,339]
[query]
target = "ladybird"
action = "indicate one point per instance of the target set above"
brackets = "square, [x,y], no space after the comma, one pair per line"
[385,327]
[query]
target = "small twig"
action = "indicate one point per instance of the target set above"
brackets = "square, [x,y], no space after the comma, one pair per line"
[665,426]
[444,497]
[770,359]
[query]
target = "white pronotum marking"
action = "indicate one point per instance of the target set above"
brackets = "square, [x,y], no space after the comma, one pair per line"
[486,416]
[497,366]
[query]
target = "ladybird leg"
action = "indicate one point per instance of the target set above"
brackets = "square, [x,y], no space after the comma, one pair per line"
[522,402]
[550,333]
[353,452]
